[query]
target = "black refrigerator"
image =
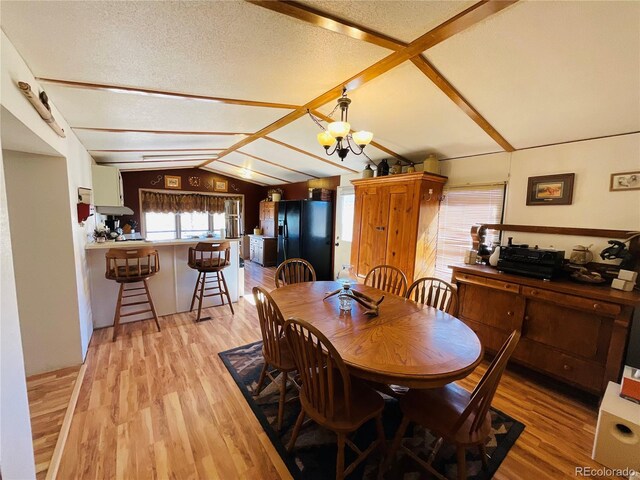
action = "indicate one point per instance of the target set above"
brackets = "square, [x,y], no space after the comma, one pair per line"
[305,230]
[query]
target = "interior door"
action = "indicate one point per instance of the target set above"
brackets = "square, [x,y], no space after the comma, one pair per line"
[344,228]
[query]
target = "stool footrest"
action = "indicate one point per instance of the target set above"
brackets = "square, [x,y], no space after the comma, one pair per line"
[135,313]
[134,303]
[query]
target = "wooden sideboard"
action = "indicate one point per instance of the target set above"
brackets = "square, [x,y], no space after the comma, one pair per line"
[395,223]
[263,250]
[573,332]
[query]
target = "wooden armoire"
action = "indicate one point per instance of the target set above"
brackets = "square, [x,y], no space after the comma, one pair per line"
[396,223]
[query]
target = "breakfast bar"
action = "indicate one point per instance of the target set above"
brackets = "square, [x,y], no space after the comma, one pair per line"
[172,288]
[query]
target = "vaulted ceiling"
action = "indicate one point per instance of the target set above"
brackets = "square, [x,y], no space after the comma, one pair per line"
[226,85]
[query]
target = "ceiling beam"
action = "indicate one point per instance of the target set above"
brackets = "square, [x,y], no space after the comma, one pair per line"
[163,93]
[143,150]
[182,160]
[159,132]
[359,32]
[439,81]
[329,22]
[317,157]
[373,142]
[469,17]
[275,164]
[237,177]
[252,171]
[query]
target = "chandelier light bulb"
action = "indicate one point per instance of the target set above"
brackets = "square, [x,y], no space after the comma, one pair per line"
[339,130]
[362,138]
[326,139]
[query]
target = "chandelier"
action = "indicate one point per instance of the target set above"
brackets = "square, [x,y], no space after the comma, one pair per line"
[339,133]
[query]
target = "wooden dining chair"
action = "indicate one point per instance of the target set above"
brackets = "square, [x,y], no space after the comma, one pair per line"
[435,293]
[453,414]
[387,278]
[328,395]
[294,270]
[275,349]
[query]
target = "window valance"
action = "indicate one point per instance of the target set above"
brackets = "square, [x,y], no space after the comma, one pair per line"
[159,202]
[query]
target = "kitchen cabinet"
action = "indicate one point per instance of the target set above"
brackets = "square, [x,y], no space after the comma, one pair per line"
[396,223]
[107,186]
[262,250]
[574,333]
[268,218]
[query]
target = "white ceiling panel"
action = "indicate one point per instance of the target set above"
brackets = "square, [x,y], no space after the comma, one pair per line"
[91,108]
[151,165]
[303,134]
[292,159]
[404,20]
[241,174]
[253,164]
[100,140]
[546,72]
[408,114]
[221,48]
[162,157]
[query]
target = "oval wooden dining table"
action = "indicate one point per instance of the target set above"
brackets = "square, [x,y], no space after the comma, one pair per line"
[407,344]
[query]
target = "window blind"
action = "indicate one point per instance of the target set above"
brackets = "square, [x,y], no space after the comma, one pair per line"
[462,208]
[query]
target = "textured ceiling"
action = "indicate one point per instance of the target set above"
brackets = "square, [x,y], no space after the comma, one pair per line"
[547,72]
[226,49]
[416,124]
[538,72]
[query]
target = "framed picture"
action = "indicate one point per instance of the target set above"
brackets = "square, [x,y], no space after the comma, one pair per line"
[220,186]
[551,189]
[624,181]
[172,182]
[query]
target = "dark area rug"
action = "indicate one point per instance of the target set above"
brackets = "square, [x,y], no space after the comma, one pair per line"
[314,456]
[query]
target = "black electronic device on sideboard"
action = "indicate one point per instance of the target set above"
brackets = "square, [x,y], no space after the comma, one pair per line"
[545,264]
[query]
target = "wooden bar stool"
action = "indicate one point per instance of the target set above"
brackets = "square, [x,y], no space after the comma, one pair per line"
[127,266]
[210,258]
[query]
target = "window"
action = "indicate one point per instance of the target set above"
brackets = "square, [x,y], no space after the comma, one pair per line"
[160,226]
[462,208]
[346,219]
[168,226]
[193,224]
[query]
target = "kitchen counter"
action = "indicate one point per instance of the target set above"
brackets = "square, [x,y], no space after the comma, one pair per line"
[157,243]
[171,288]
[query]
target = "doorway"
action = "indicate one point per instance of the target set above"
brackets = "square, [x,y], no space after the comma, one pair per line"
[346,200]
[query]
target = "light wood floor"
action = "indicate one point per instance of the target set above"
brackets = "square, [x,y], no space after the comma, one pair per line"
[49,396]
[162,405]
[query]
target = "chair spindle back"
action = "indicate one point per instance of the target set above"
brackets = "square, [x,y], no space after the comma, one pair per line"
[271,325]
[387,278]
[320,366]
[435,293]
[210,255]
[294,270]
[123,264]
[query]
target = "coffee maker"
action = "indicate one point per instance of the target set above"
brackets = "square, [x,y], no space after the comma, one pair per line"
[112,223]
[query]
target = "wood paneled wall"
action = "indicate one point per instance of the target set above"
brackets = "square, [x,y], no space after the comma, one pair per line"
[133,181]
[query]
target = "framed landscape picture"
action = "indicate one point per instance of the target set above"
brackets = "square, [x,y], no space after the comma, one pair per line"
[551,189]
[220,186]
[623,181]
[173,182]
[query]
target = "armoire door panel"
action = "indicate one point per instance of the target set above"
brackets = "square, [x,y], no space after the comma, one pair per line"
[373,226]
[401,229]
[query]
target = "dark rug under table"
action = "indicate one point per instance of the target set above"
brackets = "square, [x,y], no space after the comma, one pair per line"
[314,455]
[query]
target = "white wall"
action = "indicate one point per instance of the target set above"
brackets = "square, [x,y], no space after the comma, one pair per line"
[43,259]
[593,161]
[16,449]
[78,162]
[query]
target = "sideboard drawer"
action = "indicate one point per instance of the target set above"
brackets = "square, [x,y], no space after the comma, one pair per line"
[581,303]
[488,282]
